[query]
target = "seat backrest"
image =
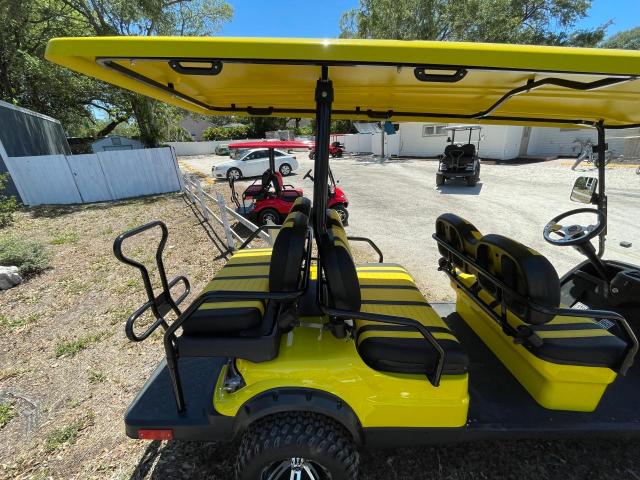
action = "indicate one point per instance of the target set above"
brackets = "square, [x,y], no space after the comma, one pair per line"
[522,269]
[288,253]
[278,184]
[302,205]
[336,259]
[458,233]
[266,178]
[462,153]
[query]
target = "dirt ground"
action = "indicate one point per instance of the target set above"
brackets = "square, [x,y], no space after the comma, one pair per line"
[68,371]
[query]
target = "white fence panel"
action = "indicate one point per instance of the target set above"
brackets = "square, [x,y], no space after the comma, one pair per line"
[194,148]
[133,173]
[44,179]
[112,175]
[89,178]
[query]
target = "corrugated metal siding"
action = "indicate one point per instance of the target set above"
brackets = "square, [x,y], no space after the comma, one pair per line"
[60,179]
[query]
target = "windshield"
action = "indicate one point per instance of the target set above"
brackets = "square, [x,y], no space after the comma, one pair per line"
[237,153]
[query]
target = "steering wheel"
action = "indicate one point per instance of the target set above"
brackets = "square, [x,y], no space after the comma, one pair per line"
[571,235]
[308,175]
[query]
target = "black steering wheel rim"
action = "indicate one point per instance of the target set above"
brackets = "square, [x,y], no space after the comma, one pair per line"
[582,235]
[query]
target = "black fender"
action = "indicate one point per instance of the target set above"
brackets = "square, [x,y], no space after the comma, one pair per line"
[293,399]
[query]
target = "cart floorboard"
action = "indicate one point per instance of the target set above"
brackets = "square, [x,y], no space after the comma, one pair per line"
[501,407]
[155,405]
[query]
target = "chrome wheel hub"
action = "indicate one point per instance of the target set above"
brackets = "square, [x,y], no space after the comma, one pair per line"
[295,468]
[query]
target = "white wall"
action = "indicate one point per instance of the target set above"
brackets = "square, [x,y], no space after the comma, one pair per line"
[412,143]
[560,141]
[358,143]
[195,148]
[105,176]
[391,144]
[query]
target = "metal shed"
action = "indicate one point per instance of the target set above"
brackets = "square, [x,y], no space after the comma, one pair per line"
[115,142]
[26,133]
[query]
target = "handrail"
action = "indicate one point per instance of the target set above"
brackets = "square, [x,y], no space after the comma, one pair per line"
[407,322]
[632,348]
[370,242]
[160,305]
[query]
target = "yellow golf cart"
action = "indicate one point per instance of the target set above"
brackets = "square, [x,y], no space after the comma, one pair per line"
[308,358]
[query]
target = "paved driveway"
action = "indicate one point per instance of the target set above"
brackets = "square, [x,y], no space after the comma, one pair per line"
[395,202]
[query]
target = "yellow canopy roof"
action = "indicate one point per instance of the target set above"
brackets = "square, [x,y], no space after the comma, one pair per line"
[372,79]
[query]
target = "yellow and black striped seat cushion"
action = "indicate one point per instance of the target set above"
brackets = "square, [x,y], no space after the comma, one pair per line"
[388,289]
[247,270]
[567,340]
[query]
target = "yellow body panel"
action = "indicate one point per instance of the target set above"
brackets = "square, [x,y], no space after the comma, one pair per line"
[313,358]
[375,75]
[554,386]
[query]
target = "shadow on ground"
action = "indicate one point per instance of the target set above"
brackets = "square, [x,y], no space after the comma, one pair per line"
[460,188]
[517,460]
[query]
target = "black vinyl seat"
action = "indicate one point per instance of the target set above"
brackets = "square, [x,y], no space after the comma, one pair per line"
[385,289]
[261,270]
[459,156]
[564,339]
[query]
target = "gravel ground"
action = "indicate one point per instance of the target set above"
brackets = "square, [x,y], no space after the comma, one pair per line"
[68,408]
[395,203]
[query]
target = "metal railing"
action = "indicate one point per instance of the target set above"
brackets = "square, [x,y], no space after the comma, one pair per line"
[221,213]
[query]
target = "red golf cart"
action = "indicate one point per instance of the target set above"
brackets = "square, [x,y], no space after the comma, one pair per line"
[336,149]
[337,200]
[267,199]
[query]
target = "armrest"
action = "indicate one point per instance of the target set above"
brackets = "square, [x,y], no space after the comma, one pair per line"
[407,322]
[370,242]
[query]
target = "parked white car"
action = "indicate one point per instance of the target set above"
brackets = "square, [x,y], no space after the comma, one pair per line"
[253,163]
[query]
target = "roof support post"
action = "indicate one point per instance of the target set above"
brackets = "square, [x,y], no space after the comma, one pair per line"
[602,192]
[272,160]
[324,100]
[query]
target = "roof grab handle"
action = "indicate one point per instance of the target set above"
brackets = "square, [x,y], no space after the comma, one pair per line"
[422,73]
[196,67]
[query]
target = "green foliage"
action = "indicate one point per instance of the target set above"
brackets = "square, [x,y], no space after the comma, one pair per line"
[627,39]
[96,376]
[30,81]
[341,126]
[538,22]
[7,412]
[68,434]
[304,131]
[72,347]
[29,256]
[8,204]
[226,133]
[65,237]
[19,321]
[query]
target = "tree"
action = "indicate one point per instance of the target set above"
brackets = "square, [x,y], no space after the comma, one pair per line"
[150,17]
[538,22]
[627,39]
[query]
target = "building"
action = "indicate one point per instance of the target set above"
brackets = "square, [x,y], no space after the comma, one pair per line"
[499,142]
[115,142]
[195,127]
[25,133]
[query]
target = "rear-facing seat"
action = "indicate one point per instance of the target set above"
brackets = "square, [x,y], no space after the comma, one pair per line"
[385,289]
[253,270]
[564,362]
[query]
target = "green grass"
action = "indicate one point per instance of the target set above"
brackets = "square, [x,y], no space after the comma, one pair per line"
[96,376]
[7,322]
[7,412]
[65,238]
[31,257]
[67,435]
[72,347]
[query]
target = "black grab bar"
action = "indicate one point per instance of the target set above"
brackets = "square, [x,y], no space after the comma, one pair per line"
[161,304]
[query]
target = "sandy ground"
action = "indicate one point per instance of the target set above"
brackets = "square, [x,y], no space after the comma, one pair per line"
[395,203]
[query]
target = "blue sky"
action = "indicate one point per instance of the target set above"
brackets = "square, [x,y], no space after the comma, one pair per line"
[320,18]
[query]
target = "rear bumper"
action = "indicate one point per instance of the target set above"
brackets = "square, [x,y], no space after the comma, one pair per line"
[155,408]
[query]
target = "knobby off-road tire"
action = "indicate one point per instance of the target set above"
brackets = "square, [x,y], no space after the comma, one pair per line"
[297,435]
